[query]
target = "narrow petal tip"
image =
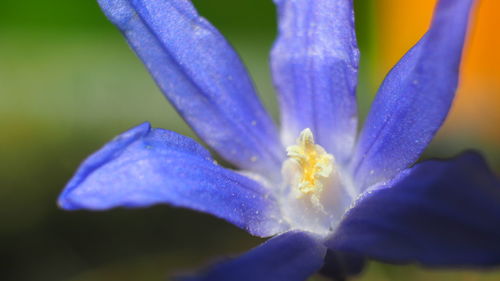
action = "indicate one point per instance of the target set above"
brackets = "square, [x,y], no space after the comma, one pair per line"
[106,154]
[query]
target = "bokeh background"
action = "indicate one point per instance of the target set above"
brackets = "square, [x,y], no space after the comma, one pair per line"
[69,83]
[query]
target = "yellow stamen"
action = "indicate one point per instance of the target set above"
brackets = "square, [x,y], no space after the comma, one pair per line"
[314,164]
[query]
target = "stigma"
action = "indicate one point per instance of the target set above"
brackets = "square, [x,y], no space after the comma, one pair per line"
[308,168]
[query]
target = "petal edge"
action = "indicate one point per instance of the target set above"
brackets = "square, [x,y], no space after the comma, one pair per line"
[145,166]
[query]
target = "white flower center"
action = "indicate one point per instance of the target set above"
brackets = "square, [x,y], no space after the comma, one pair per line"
[314,194]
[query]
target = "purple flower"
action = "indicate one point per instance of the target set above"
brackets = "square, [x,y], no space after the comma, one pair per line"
[330,197]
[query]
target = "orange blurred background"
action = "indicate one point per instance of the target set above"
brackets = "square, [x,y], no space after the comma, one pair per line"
[476,111]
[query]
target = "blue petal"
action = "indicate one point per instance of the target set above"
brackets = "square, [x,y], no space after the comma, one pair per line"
[293,256]
[315,64]
[341,266]
[437,214]
[203,78]
[414,99]
[145,166]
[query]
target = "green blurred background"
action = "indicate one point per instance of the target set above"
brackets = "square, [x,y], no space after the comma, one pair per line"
[69,83]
